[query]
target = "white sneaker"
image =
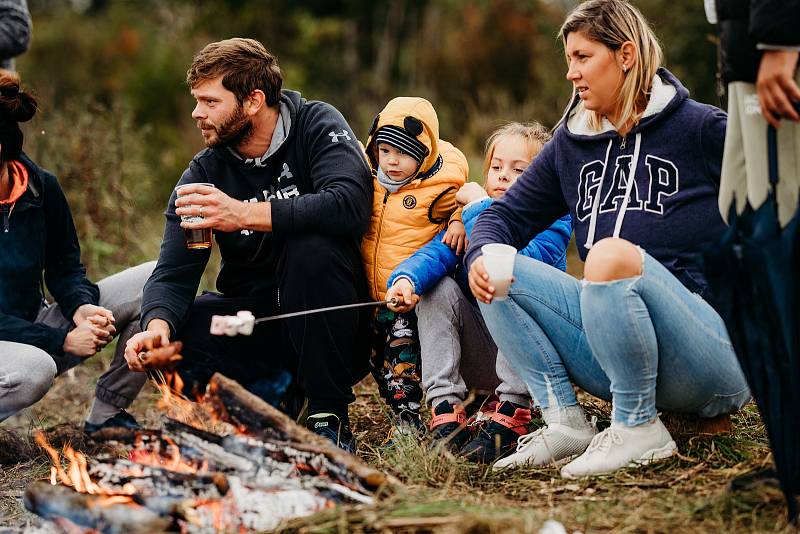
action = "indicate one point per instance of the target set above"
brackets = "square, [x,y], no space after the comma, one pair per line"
[549,444]
[621,446]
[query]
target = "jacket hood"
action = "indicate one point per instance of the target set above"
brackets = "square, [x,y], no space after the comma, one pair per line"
[666,94]
[418,118]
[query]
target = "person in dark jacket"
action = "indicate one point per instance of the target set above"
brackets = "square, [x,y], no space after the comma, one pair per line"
[759,49]
[40,340]
[636,163]
[290,201]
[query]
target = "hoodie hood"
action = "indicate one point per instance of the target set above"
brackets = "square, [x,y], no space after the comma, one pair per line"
[666,94]
[418,118]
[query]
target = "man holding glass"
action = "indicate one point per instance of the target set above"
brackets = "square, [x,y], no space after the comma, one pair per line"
[286,191]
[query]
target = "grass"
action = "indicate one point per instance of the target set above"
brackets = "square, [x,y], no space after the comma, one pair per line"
[688,493]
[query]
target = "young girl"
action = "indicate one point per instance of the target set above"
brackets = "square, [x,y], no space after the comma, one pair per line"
[457,351]
[417,176]
[637,164]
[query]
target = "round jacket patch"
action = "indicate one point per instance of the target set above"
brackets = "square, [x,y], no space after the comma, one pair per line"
[409,201]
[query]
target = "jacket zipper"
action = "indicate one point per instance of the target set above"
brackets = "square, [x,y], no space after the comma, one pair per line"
[6,215]
[378,240]
[622,144]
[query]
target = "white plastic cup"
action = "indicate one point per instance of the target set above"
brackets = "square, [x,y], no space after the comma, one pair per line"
[498,260]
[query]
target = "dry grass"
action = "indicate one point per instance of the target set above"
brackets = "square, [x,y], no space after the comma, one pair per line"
[444,494]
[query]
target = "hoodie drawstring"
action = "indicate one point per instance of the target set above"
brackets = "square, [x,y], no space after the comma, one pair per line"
[596,203]
[6,213]
[629,186]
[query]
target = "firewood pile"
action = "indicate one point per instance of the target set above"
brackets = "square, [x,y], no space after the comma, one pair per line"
[267,469]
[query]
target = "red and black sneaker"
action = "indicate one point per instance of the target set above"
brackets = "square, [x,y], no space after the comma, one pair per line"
[499,437]
[449,426]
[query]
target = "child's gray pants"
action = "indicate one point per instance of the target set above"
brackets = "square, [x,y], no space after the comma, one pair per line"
[457,351]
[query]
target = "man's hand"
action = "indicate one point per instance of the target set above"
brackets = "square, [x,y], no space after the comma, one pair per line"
[156,335]
[221,212]
[777,91]
[85,340]
[470,191]
[403,292]
[456,237]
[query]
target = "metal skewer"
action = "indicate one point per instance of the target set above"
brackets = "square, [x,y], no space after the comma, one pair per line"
[329,308]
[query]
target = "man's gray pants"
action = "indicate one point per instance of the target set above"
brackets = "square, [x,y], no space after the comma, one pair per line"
[458,353]
[27,372]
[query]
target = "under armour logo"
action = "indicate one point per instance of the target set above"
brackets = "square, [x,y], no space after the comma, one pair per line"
[335,136]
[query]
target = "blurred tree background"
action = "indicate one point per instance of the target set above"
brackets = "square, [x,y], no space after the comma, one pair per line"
[115,125]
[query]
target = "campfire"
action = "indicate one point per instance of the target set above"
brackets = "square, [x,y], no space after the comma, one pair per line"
[253,470]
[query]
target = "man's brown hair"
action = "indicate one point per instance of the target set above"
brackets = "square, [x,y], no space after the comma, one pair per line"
[244,64]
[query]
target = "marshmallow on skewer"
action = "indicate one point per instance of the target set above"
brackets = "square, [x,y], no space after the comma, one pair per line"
[232,325]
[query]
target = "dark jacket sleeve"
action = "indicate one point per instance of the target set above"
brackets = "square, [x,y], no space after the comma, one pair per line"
[550,246]
[342,183]
[15,28]
[170,290]
[775,22]
[64,273]
[530,206]
[47,338]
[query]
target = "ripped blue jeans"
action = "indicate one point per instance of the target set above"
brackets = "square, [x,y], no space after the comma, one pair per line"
[646,343]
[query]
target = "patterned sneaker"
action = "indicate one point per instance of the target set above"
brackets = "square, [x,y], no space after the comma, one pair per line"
[621,446]
[500,436]
[121,419]
[328,425]
[549,444]
[448,426]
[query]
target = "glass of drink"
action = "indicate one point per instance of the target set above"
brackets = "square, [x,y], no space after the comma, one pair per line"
[498,260]
[200,238]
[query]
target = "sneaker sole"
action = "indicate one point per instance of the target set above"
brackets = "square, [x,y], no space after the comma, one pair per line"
[651,456]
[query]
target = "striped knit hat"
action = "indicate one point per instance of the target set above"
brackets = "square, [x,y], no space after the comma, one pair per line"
[401,140]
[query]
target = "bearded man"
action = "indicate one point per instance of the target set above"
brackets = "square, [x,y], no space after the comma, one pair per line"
[289,199]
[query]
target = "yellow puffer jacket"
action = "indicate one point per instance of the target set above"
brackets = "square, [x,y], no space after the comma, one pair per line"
[404,221]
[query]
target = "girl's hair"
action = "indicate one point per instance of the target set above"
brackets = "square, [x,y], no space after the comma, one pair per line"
[612,23]
[15,106]
[534,134]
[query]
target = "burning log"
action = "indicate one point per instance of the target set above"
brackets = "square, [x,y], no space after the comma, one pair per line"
[110,515]
[234,404]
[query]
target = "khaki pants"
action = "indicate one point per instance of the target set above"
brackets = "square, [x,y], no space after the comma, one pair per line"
[745,175]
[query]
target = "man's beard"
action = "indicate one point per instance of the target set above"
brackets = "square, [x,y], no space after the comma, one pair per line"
[233,132]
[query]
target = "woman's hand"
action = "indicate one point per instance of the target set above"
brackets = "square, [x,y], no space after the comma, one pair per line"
[403,291]
[456,237]
[85,340]
[470,191]
[479,282]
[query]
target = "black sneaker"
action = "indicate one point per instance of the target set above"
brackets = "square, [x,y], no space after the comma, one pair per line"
[500,436]
[328,425]
[121,419]
[449,426]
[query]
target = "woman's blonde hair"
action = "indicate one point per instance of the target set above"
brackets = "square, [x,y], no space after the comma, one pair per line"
[534,134]
[612,23]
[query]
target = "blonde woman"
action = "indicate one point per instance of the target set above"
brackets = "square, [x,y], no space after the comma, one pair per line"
[637,164]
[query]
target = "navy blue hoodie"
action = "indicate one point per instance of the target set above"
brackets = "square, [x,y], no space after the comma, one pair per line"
[672,202]
[41,240]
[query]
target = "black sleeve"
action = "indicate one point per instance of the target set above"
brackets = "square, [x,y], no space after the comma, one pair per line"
[47,338]
[170,290]
[775,22]
[531,205]
[342,184]
[64,273]
[15,28]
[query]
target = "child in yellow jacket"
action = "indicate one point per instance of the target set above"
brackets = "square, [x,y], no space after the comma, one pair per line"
[417,176]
